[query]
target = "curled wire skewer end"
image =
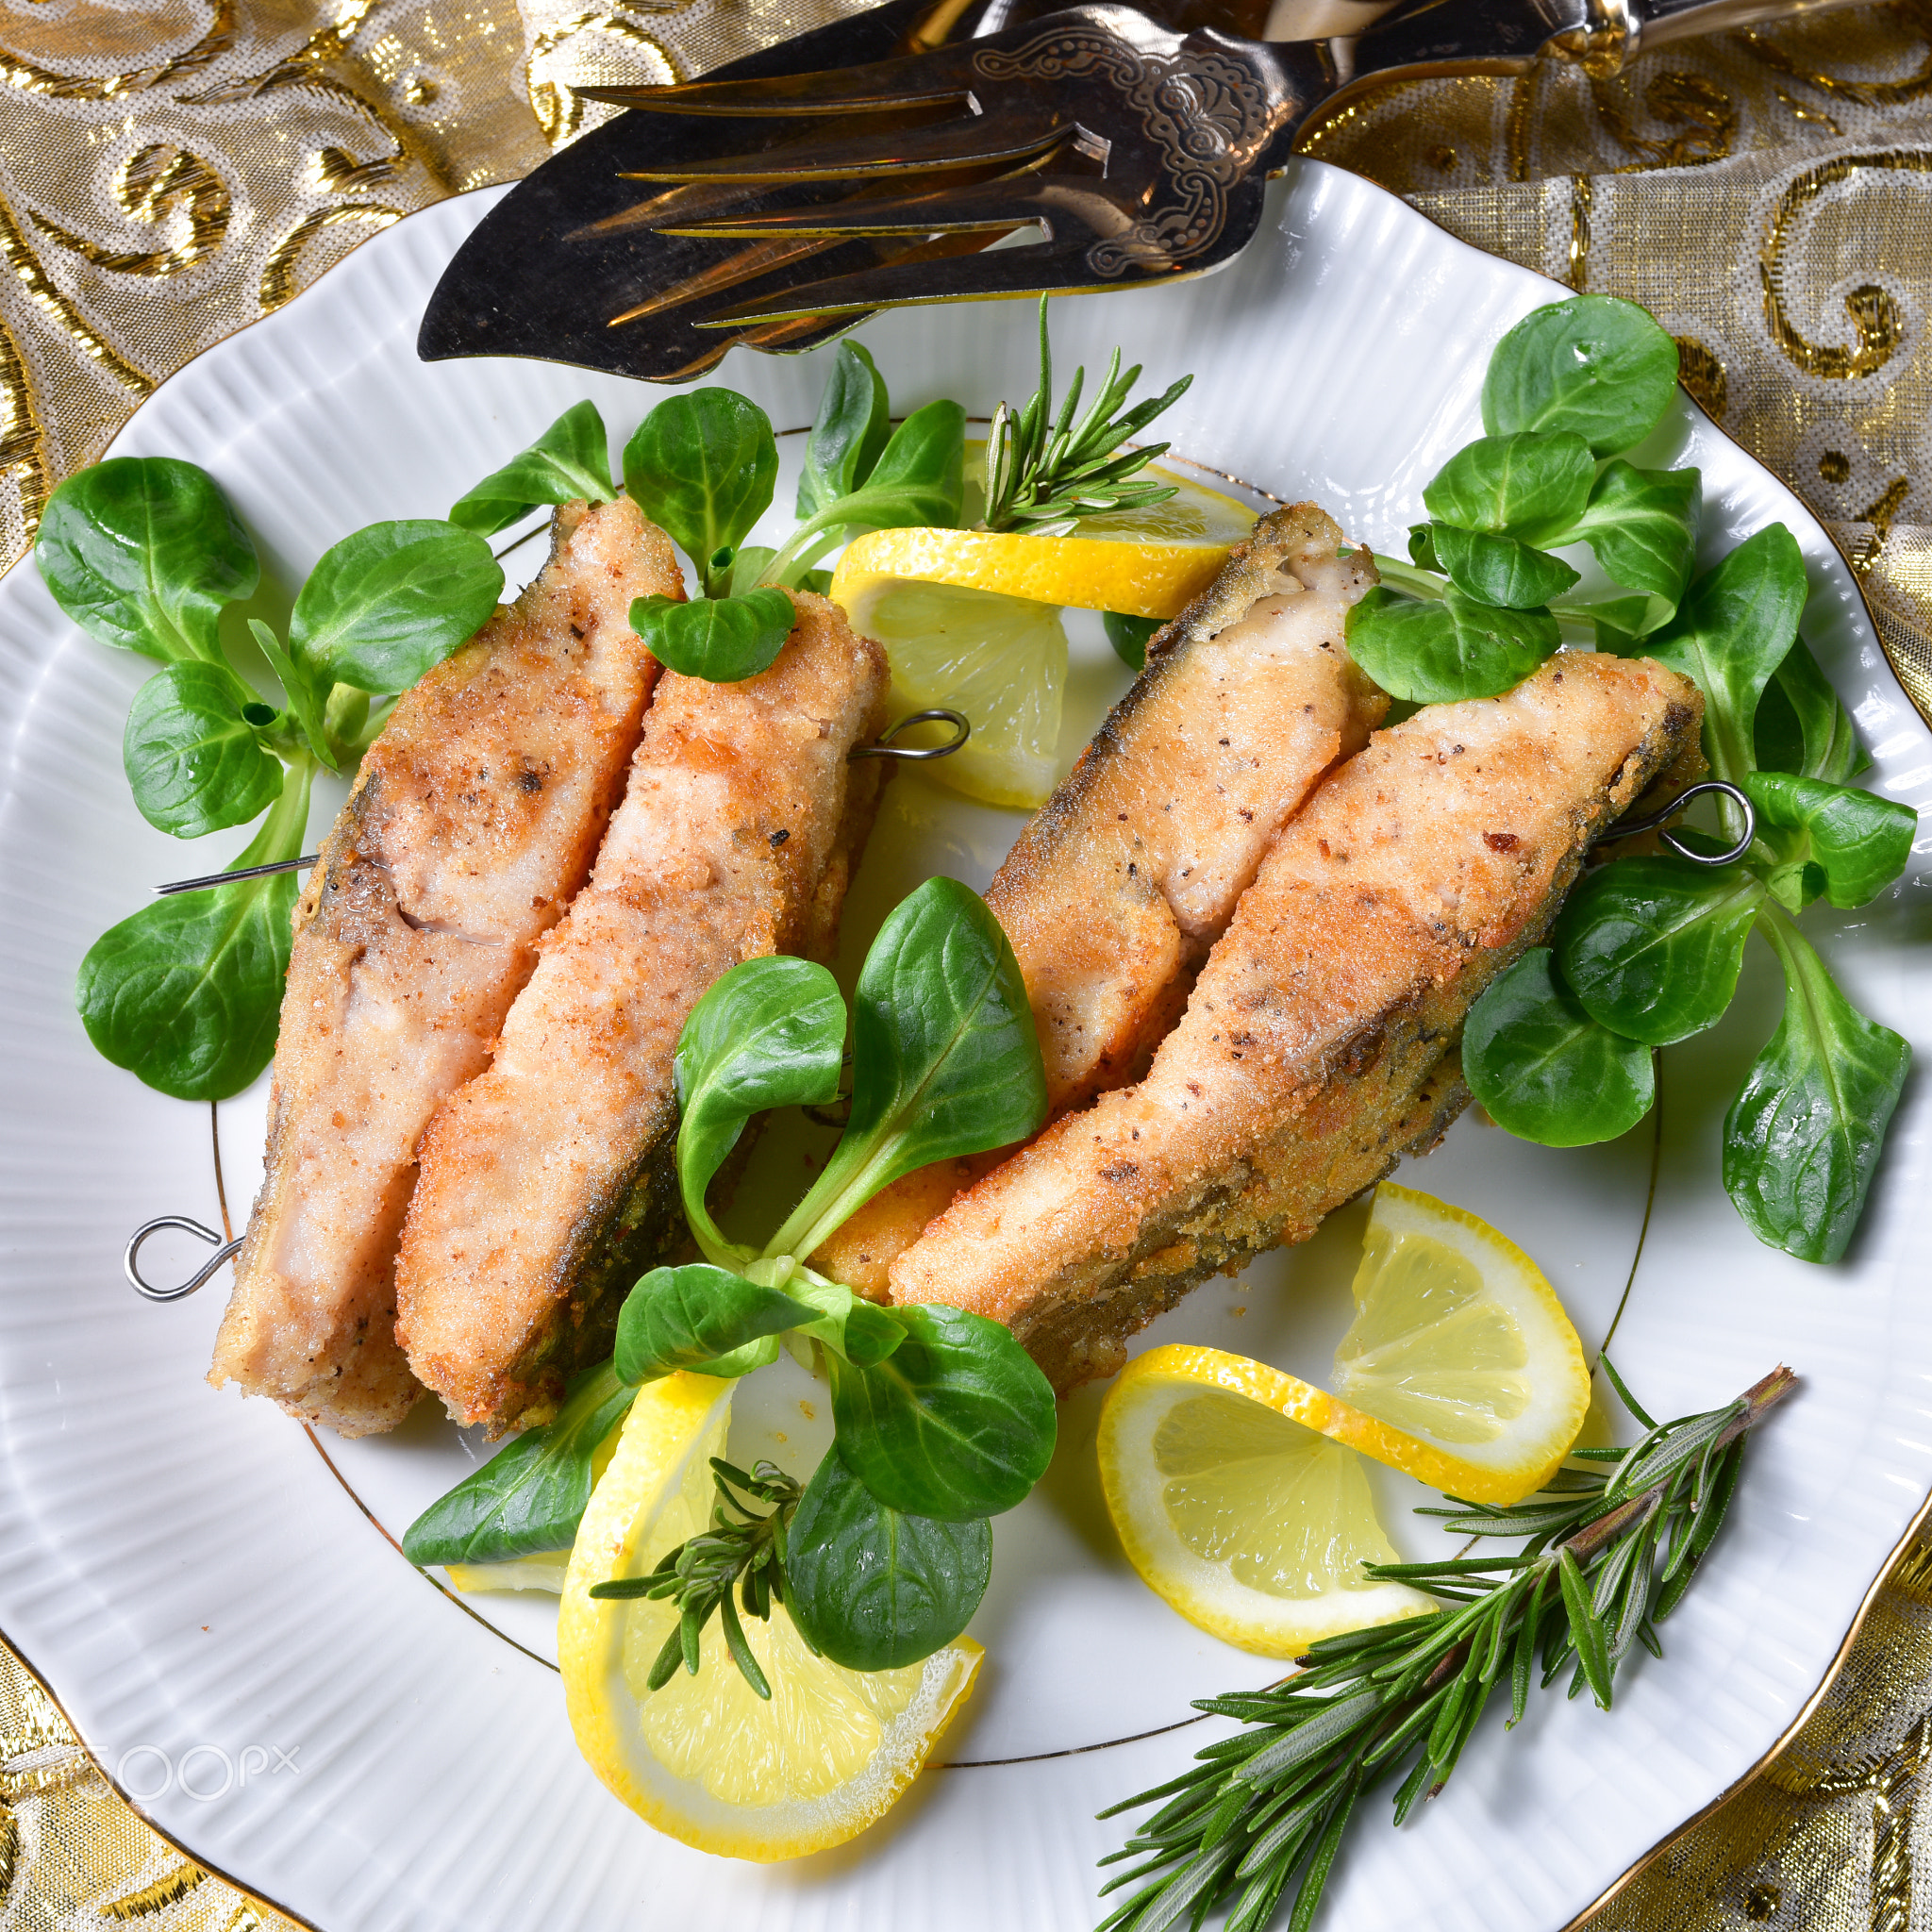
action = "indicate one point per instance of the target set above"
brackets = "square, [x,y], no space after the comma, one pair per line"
[130,1258]
[1626,829]
[885,748]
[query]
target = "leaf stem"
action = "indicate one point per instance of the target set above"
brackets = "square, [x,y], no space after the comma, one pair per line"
[287,824]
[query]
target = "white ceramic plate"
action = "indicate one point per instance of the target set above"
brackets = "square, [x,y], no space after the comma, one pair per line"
[212,1596]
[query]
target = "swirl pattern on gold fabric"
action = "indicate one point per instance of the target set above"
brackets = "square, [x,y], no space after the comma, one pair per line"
[172,169]
[1876,317]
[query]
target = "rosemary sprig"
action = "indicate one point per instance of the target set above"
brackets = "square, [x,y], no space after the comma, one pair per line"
[1608,1556]
[740,1548]
[1043,470]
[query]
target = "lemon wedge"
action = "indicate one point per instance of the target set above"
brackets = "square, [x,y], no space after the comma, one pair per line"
[544,1570]
[1252,1524]
[1147,562]
[706,1759]
[1461,1349]
[1002,661]
[1236,1488]
[971,621]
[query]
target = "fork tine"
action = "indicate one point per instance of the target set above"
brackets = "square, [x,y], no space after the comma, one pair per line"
[793,334]
[946,144]
[909,80]
[1010,202]
[698,201]
[1054,267]
[761,258]
[790,337]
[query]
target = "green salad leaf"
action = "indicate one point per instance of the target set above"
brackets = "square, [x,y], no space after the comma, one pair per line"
[957,1421]
[725,639]
[185,994]
[1130,636]
[1531,485]
[919,479]
[1801,725]
[696,1317]
[1802,1138]
[1494,569]
[849,433]
[1642,525]
[704,465]
[768,1033]
[530,1497]
[308,693]
[1544,1068]
[1652,947]
[946,1061]
[193,750]
[1593,366]
[874,1589]
[1735,626]
[143,553]
[1857,842]
[571,460]
[1435,650]
[387,603]
[855,1330]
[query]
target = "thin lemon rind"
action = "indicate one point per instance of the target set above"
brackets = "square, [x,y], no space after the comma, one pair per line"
[1156,580]
[1315,1409]
[675,1428]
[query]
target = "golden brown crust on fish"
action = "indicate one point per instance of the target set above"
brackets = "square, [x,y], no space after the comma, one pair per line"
[1114,893]
[1312,1052]
[546,1182]
[473,823]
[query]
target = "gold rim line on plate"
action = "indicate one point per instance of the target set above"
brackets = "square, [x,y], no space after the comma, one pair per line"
[1782,1741]
[469,1610]
[251,1893]
[1891,1560]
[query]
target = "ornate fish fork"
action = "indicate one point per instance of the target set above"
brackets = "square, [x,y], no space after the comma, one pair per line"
[1128,152]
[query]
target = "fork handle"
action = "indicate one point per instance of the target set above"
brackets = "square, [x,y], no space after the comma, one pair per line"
[1662,20]
[1423,38]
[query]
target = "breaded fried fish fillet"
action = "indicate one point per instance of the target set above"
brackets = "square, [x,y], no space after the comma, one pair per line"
[1312,1051]
[547,1181]
[472,823]
[1113,895]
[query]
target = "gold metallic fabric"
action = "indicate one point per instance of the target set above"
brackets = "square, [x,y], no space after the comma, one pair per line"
[171,170]
[73,1855]
[1767,195]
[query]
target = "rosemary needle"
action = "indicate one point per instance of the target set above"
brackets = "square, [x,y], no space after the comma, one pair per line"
[741,1548]
[1041,470]
[1608,1556]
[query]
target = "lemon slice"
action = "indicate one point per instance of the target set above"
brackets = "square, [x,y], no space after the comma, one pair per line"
[1146,562]
[706,1759]
[970,619]
[1461,1347]
[1000,660]
[1251,1525]
[544,1570]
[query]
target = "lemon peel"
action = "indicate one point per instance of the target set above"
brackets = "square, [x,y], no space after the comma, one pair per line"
[704,1759]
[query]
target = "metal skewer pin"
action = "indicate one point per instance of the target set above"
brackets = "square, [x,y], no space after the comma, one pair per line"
[884,748]
[1626,829]
[246,871]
